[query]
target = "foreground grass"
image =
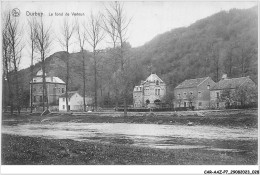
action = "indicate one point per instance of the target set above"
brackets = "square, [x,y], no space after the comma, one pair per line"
[22,150]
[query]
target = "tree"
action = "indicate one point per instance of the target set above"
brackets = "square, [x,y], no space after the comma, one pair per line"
[109,25]
[245,94]
[7,59]
[169,98]
[215,55]
[66,35]
[43,42]
[94,36]
[246,51]
[32,40]
[116,14]
[14,33]
[226,96]
[81,40]
[230,58]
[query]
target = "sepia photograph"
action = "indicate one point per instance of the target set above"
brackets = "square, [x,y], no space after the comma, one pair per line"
[130,83]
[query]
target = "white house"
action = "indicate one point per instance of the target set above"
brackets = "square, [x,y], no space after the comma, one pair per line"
[75,101]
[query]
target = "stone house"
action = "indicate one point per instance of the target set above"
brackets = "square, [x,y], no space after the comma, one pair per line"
[229,85]
[75,102]
[194,93]
[55,87]
[149,92]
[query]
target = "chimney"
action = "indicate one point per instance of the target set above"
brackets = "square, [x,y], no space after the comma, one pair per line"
[224,77]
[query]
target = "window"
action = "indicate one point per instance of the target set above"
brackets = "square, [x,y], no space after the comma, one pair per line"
[157,82]
[63,106]
[63,99]
[217,105]
[217,93]
[184,104]
[199,94]
[208,86]
[158,91]
[40,98]
[155,91]
[62,90]
[45,99]
[200,103]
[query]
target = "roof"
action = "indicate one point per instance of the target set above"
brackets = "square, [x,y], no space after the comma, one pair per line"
[48,80]
[229,83]
[70,94]
[153,78]
[191,83]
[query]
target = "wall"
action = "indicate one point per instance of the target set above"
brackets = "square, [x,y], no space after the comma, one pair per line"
[183,98]
[53,95]
[203,100]
[150,93]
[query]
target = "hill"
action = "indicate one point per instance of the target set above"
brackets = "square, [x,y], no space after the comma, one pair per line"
[227,40]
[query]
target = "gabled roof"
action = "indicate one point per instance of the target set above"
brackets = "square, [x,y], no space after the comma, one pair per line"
[70,94]
[48,80]
[191,83]
[229,83]
[153,78]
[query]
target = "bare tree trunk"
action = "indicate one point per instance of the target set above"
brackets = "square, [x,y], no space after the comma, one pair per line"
[67,80]
[84,80]
[31,89]
[95,78]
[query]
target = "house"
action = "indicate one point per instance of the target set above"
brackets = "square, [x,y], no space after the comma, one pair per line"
[194,93]
[75,102]
[233,91]
[149,92]
[55,87]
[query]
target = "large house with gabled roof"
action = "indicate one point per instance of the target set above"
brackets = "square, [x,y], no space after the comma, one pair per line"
[194,93]
[149,92]
[231,85]
[54,85]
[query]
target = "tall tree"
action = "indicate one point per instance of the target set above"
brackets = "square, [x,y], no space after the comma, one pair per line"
[65,41]
[32,40]
[109,26]
[229,61]
[246,51]
[43,42]
[95,35]
[7,59]
[81,35]
[117,14]
[14,32]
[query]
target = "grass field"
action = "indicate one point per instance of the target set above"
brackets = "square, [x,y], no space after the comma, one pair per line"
[20,150]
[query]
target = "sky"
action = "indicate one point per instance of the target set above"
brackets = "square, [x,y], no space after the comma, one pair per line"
[148,18]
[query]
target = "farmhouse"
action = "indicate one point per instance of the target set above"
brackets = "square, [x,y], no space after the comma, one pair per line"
[149,92]
[75,102]
[55,87]
[194,93]
[233,91]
